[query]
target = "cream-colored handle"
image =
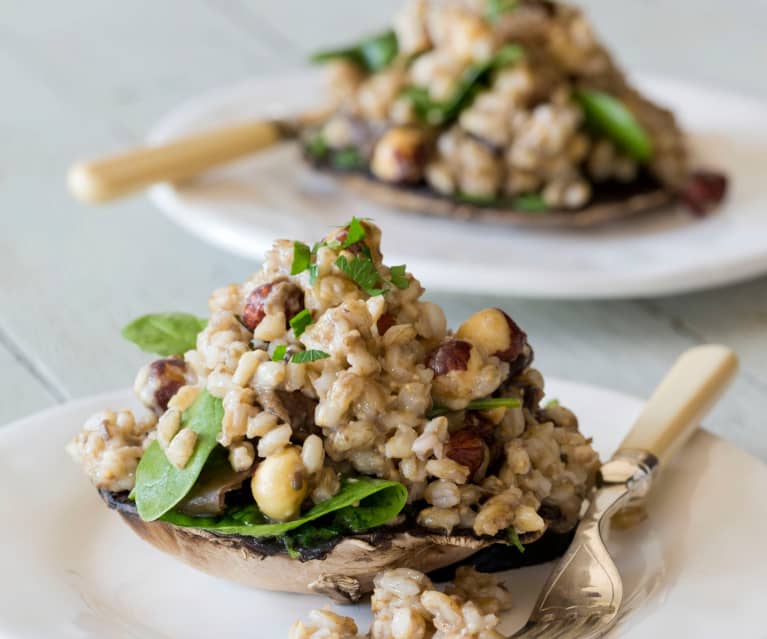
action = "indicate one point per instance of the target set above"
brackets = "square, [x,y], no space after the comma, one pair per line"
[111,177]
[680,401]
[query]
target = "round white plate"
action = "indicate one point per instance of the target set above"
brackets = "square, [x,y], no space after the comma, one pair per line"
[71,568]
[244,206]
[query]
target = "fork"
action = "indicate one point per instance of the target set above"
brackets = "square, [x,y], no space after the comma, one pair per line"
[582,596]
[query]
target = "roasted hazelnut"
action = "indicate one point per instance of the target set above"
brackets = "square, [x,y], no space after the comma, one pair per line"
[384,323]
[461,374]
[400,155]
[495,333]
[704,190]
[451,356]
[280,484]
[468,449]
[279,296]
[157,382]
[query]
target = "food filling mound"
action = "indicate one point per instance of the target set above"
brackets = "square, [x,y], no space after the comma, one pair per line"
[504,103]
[323,397]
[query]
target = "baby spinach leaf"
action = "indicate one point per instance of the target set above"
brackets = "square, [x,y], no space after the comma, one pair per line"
[165,333]
[530,203]
[346,159]
[362,503]
[514,539]
[372,54]
[610,117]
[159,484]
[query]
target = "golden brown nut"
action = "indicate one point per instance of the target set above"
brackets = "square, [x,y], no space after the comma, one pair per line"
[267,299]
[157,382]
[468,449]
[461,374]
[495,333]
[399,155]
[279,484]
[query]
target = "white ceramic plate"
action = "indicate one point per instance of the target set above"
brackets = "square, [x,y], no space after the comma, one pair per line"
[243,206]
[72,569]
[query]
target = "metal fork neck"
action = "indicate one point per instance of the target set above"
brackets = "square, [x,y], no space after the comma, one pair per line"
[630,468]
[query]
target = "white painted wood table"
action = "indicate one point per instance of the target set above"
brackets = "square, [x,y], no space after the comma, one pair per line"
[85,76]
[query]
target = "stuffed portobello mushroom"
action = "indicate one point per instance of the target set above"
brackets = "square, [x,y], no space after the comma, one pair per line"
[323,424]
[503,110]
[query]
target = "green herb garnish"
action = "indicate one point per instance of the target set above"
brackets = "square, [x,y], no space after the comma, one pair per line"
[496,8]
[302,258]
[437,411]
[398,277]
[279,352]
[479,200]
[355,233]
[362,272]
[530,203]
[314,273]
[316,146]
[346,159]
[300,321]
[361,504]
[552,403]
[608,116]
[477,404]
[372,54]
[477,75]
[308,356]
[159,484]
[165,333]
[493,402]
[514,539]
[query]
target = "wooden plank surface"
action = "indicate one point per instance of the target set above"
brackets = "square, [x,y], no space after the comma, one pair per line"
[85,77]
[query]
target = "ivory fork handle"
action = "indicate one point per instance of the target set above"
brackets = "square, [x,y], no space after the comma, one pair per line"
[111,177]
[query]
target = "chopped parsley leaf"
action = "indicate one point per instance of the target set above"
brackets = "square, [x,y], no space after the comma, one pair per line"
[355,233]
[300,321]
[308,356]
[314,272]
[362,272]
[398,277]
[279,352]
[496,8]
[301,258]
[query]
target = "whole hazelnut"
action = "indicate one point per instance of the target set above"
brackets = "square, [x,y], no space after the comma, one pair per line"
[158,382]
[495,333]
[400,155]
[273,297]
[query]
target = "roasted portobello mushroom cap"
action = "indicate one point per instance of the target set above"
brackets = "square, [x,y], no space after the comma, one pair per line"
[502,112]
[323,425]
